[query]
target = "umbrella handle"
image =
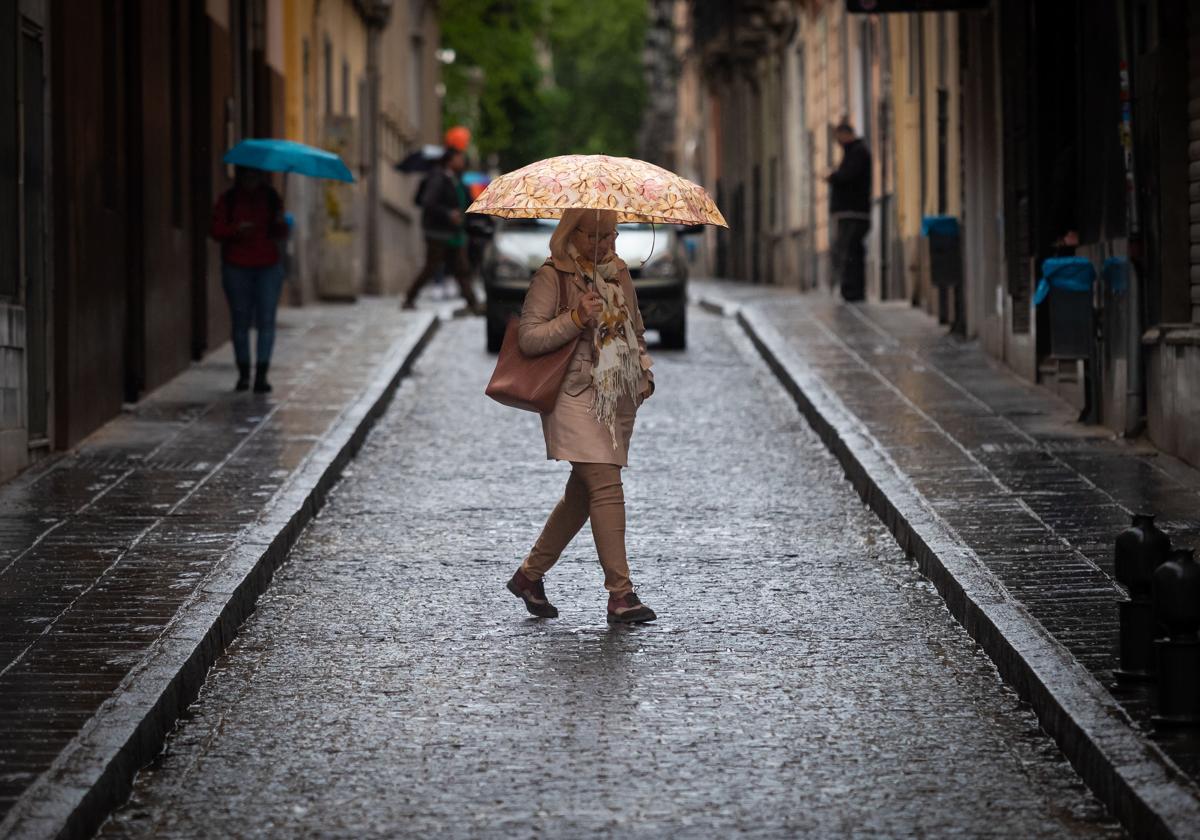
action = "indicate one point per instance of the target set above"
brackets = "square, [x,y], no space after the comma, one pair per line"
[653,234]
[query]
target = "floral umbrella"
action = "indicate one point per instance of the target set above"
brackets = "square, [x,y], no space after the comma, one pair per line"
[636,190]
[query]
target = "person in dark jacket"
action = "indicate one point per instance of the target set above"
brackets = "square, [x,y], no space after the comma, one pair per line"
[248,221]
[850,211]
[443,213]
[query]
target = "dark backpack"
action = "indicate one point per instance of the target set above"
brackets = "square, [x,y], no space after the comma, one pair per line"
[419,195]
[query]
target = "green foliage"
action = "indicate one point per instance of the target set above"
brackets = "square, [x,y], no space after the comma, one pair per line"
[500,38]
[557,76]
[600,90]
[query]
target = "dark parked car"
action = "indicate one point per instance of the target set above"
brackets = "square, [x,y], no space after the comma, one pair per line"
[520,246]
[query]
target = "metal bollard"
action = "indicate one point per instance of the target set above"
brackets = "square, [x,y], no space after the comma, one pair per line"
[1177,611]
[1140,549]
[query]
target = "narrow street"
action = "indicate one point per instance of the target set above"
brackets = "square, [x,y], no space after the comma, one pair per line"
[803,679]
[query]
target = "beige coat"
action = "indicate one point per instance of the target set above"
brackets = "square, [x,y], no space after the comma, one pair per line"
[572,433]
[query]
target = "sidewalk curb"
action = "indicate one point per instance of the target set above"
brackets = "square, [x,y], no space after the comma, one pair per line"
[95,772]
[1141,786]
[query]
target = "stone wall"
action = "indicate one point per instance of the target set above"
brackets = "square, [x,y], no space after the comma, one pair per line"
[14,448]
[1172,392]
[1173,350]
[1194,157]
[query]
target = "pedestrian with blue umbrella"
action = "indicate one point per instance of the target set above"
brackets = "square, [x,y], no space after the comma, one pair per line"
[248,221]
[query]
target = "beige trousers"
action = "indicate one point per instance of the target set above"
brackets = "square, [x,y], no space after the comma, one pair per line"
[593,491]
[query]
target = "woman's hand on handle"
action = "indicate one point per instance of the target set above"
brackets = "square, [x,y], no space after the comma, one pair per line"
[589,306]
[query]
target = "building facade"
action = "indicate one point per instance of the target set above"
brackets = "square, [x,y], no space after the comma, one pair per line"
[114,115]
[1080,141]
[361,81]
[1044,129]
[138,100]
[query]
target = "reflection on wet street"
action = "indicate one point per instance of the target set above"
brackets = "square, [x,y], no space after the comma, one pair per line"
[803,679]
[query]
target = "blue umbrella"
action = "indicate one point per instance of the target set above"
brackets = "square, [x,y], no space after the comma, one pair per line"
[288,156]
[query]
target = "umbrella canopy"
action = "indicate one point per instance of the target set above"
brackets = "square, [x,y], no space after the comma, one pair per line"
[288,156]
[636,190]
[422,160]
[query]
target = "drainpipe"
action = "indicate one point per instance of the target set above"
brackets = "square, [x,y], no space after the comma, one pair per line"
[376,14]
[1134,385]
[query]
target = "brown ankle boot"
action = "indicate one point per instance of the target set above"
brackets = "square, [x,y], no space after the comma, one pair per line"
[533,593]
[628,609]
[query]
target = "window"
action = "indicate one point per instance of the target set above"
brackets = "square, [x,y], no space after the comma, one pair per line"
[773,193]
[111,55]
[845,50]
[328,68]
[867,57]
[805,146]
[416,80]
[305,87]
[176,115]
[943,49]
[914,53]
[10,160]
[364,126]
[345,86]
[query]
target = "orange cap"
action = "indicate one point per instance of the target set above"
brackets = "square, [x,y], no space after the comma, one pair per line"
[458,137]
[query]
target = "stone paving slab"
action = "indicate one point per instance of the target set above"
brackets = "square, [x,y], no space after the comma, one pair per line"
[127,565]
[1011,508]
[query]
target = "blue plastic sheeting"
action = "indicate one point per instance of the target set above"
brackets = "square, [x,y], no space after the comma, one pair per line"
[1070,274]
[939,226]
[1116,274]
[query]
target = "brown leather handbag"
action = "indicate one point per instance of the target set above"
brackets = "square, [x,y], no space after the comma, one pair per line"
[530,382]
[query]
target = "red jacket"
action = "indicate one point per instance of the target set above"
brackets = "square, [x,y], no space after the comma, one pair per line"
[247,225]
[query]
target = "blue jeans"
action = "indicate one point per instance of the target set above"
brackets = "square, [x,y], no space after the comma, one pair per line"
[253,295]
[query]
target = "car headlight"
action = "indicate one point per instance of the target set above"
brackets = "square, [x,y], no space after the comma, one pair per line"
[663,266]
[510,271]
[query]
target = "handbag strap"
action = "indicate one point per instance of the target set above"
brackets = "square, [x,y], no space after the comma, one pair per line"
[559,308]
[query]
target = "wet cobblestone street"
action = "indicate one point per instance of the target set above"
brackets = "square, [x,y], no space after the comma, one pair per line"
[803,679]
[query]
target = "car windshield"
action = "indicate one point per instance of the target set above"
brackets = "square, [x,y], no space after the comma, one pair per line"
[539,225]
[546,226]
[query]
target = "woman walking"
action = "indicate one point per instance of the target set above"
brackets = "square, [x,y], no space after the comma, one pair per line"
[592,422]
[248,222]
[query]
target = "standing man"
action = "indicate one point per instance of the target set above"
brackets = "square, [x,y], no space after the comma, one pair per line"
[850,211]
[443,213]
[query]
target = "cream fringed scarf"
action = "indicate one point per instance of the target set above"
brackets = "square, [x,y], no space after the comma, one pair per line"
[618,368]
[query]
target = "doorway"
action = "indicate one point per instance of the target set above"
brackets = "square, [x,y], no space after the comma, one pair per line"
[33,200]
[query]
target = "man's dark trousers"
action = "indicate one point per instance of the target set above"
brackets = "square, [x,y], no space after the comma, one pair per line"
[439,253]
[850,256]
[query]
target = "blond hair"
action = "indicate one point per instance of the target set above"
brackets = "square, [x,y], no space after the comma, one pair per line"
[567,225]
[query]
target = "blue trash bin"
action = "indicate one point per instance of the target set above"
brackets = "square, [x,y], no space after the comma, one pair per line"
[945,250]
[1066,284]
[946,266]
